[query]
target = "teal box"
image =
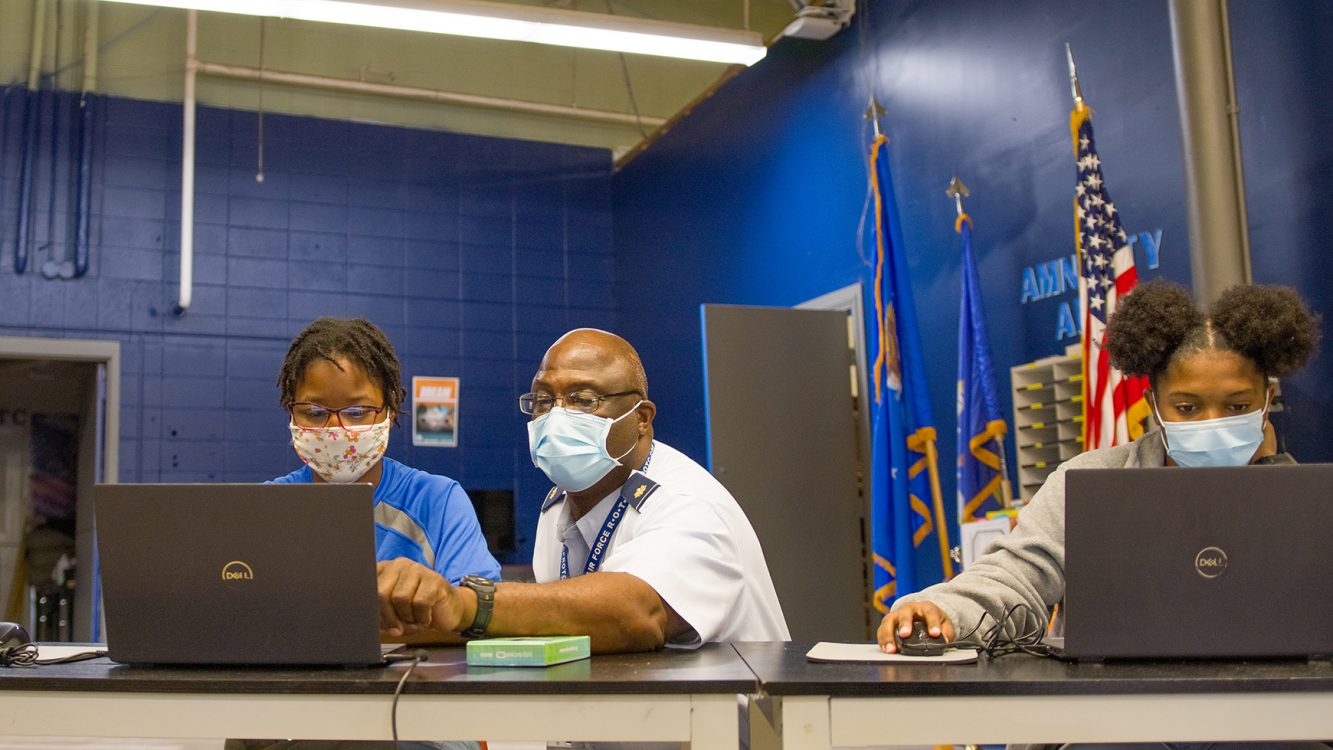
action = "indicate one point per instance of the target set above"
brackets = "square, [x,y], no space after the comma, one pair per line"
[537,651]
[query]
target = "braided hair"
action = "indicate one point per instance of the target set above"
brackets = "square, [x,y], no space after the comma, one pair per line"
[355,339]
[1158,324]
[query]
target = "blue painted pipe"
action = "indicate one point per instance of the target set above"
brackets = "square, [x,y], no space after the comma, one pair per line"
[5,112]
[5,103]
[51,269]
[27,155]
[83,194]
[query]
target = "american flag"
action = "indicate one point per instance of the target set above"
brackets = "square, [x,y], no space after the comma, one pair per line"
[1113,405]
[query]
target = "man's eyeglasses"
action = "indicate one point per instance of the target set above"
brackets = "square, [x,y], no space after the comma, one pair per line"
[306,414]
[587,402]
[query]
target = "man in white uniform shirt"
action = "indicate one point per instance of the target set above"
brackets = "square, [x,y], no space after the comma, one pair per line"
[637,546]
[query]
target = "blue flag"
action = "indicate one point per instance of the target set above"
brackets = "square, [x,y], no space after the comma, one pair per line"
[904,470]
[981,429]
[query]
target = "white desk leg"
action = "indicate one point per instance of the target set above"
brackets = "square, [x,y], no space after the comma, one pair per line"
[804,722]
[714,722]
[765,722]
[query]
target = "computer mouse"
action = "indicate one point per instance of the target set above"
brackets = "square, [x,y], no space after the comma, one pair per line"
[12,636]
[920,642]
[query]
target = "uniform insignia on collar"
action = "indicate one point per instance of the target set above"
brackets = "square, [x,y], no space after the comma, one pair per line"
[552,498]
[638,488]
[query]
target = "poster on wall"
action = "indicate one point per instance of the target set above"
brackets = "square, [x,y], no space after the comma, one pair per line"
[434,411]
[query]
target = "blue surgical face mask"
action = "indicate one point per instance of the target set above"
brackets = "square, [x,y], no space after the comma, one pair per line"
[570,447]
[1225,441]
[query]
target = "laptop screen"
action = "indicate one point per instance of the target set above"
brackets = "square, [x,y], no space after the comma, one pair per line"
[1173,562]
[238,573]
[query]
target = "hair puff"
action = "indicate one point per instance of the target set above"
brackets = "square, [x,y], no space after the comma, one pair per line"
[1269,324]
[1149,326]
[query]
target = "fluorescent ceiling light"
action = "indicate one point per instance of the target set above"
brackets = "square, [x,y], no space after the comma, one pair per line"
[518,23]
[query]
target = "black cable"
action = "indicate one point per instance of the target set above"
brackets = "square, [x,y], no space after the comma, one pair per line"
[27,656]
[963,640]
[629,87]
[19,656]
[1027,638]
[418,656]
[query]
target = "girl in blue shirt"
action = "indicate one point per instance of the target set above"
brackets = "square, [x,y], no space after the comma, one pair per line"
[342,386]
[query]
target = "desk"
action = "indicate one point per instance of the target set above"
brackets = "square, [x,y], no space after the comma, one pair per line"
[678,696]
[1019,699]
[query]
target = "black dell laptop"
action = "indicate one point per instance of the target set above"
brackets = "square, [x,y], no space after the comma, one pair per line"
[1199,562]
[271,574]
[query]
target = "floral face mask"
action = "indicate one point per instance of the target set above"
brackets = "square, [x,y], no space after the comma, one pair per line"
[341,454]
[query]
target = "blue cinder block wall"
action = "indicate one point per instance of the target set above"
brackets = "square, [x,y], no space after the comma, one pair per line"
[757,197]
[1282,53]
[471,253]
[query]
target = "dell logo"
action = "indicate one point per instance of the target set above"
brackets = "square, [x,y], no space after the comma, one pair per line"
[1211,562]
[237,571]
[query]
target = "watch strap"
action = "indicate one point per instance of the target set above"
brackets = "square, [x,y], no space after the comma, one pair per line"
[485,591]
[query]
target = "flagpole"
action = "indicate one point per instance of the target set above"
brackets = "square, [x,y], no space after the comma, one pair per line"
[920,438]
[1073,78]
[1112,402]
[880,497]
[872,114]
[957,190]
[933,466]
[1076,119]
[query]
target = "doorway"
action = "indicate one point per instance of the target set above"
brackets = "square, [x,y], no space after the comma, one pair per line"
[786,436]
[59,436]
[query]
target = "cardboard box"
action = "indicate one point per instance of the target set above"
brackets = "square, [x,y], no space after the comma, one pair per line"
[528,651]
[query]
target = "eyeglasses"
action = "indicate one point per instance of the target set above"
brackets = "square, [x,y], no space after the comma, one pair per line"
[581,401]
[306,414]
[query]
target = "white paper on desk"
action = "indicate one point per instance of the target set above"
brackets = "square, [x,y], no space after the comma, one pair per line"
[58,651]
[869,652]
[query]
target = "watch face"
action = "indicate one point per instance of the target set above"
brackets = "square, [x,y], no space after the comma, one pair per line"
[475,582]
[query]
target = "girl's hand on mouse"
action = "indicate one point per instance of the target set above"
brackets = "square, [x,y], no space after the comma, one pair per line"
[900,619]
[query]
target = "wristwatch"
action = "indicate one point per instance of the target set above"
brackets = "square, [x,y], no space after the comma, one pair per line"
[485,589]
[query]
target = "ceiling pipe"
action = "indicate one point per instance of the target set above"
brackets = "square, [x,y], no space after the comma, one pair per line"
[343,85]
[38,37]
[56,265]
[87,120]
[29,139]
[194,67]
[187,165]
[91,32]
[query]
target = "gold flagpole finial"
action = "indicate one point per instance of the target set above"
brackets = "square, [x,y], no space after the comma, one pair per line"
[1073,77]
[873,113]
[957,190]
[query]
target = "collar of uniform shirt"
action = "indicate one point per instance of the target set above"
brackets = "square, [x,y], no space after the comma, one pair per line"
[590,525]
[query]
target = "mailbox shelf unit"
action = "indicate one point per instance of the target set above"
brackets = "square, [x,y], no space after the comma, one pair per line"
[1048,416]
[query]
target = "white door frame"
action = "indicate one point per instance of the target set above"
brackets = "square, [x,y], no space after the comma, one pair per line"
[105,353]
[851,300]
[81,350]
